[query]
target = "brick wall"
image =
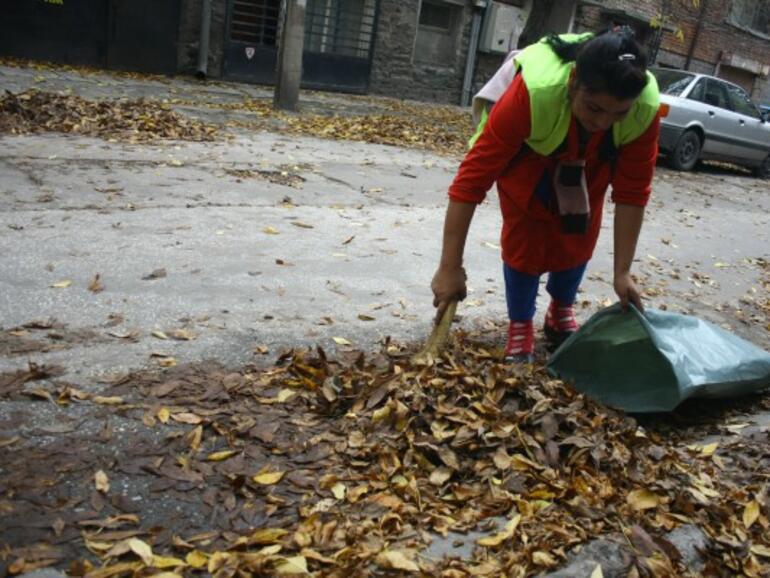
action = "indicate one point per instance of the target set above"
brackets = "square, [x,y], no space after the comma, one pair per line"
[394,72]
[588,16]
[716,35]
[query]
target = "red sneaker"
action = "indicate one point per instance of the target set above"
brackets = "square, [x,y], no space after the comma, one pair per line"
[521,342]
[560,322]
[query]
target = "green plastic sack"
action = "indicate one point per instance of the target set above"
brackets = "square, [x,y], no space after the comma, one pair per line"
[653,362]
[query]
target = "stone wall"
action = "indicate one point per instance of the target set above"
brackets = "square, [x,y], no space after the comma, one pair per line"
[189,37]
[394,71]
[486,66]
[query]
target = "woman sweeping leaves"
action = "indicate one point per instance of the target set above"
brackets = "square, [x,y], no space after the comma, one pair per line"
[581,114]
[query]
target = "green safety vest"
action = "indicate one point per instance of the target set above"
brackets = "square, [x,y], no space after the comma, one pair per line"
[547,79]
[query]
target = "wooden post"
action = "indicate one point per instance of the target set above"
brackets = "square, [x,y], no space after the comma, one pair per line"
[290,56]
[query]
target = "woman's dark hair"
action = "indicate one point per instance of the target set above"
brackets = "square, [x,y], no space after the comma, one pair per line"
[612,62]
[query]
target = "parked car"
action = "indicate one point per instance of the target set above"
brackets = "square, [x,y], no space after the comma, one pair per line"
[710,118]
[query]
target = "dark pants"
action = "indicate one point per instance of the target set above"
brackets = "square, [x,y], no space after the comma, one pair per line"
[521,289]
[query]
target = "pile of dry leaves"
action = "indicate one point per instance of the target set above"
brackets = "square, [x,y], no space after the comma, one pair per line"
[441,129]
[352,466]
[131,120]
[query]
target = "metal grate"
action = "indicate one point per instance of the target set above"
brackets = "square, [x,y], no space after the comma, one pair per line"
[341,27]
[255,21]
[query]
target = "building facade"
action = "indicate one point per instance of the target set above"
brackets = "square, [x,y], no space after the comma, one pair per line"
[444,50]
[432,50]
[727,39]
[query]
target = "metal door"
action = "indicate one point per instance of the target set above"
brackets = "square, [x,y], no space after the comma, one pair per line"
[339,41]
[251,48]
[71,32]
[143,35]
[338,45]
[714,112]
[753,137]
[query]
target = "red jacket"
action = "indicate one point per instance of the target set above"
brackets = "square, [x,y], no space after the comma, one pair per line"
[532,240]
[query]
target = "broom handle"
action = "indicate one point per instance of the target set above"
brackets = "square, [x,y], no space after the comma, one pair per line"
[438,336]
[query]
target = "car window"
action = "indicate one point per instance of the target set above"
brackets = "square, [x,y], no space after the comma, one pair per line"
[671,81]
[697,93]
[740,101]
[715,94]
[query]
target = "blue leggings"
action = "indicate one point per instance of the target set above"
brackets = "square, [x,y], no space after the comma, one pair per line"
[521,289]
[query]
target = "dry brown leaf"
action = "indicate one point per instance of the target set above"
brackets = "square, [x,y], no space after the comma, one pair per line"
[268,478]
[96,285]
[141,549]
[293,565]
[186,417]
[267,536]
[543,559]
[643,499]
[197,559]
[162,562]
[339,490]
[760,550]
[500,537]
[195,437]
[221,456]
[182,335]
[167,362]
[115,570]
[107,400]
[440,476]
[395,560]
[502,459]
[750,513]
[101,482]
[163,415]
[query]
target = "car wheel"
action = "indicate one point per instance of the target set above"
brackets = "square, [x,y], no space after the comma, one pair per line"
[763,170]
[686,152]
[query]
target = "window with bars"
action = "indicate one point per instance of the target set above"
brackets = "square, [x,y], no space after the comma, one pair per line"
[342,27]
[436,15]
[255,21]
